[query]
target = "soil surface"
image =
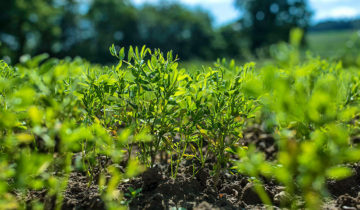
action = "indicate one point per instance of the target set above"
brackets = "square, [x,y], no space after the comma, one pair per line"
[200,191]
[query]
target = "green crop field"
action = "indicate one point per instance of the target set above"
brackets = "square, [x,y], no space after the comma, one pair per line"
[74,135]
[326,44]
[329,43]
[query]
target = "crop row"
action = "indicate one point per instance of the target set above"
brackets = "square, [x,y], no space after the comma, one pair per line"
[60,116]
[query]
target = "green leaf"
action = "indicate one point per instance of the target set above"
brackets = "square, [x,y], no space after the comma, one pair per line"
[339,172]
[113,50]
[180,92]
[143,52]
[130,54]
[122,54]
[118,67]
[296,36]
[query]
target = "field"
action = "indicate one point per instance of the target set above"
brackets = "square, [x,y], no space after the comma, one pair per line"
[332,45]
[147,134]
[329,43]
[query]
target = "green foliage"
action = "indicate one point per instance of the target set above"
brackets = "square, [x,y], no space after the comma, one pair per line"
[43,127]
[64,115]
[309,107]
[61,116]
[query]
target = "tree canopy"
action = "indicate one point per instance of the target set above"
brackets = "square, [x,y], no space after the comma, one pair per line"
[267,22]
[87,28]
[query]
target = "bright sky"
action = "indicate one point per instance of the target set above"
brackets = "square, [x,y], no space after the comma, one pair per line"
[224,11]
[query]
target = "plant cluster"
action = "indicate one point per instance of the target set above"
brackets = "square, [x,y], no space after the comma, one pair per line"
[58,116]
[312,110]
[61,116]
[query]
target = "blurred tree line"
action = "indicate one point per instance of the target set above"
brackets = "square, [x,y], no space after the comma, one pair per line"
[268,22]
[336,25]
[88,27]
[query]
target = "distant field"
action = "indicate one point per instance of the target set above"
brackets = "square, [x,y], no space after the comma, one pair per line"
[328,43]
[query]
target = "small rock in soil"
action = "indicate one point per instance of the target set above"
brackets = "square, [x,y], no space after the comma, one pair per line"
[346,202]
[249,196]
[205,206]
[283,198]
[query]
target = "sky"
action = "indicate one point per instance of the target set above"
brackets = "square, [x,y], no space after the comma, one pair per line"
[223,11]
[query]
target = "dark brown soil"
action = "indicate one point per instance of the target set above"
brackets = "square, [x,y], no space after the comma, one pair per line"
[79,195]
[200,191]
[263,141]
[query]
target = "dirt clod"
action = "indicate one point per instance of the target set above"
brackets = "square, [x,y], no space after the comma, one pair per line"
[249,196]
[205,206]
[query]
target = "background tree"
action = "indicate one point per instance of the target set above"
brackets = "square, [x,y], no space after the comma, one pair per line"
[267,22]
[174,27]
[74,26]
[28,27]
[233,41]
[112,21]
[87,28]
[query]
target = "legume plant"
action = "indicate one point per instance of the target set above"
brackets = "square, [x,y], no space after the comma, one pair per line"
[60,116]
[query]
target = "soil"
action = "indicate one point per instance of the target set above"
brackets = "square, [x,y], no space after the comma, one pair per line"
[200,191]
